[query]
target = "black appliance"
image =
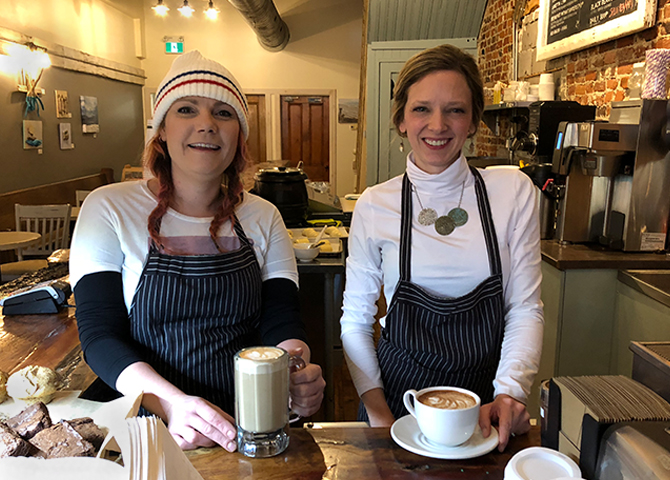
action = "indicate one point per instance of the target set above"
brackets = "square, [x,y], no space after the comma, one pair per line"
[45,297]
[536,145]
[285,188]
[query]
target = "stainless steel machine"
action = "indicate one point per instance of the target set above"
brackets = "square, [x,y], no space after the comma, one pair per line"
[613,178]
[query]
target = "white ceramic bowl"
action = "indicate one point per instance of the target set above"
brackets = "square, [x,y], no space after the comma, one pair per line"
[303,253]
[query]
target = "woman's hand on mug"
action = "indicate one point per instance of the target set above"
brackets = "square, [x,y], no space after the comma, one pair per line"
[306,388]
[509,414]
[194,422]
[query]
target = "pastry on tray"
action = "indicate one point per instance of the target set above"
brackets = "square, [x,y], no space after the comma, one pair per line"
[31,421]
[3,386]
[62,440]
[11,443]
[33,384]
[87,428]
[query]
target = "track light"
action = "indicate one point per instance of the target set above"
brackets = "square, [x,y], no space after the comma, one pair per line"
[186,10]
[160,8]
[212,13]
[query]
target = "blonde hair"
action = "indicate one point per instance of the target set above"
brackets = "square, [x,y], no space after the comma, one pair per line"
[442,57]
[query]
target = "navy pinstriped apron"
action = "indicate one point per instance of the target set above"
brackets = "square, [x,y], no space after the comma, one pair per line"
[193,313]
[432,340]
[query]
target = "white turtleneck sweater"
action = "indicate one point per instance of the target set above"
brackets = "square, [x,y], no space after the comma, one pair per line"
[449,266]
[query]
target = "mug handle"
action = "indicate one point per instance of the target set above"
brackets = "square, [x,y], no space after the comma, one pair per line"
[295,363]
[408,403]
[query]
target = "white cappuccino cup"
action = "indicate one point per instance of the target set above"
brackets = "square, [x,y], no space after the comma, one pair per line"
[446,416]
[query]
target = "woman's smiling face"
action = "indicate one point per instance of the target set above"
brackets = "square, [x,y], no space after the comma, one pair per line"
[201,136]
[438,119]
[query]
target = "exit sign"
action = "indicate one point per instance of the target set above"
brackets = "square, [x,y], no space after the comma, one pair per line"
[174,47]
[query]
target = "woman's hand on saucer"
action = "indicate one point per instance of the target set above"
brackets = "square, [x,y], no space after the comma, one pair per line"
[194,422]
[509,414]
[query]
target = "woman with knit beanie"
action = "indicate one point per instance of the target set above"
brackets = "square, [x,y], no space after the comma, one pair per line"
[175,274]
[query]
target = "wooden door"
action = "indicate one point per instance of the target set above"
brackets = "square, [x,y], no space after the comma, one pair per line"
[256,143]
[305,134]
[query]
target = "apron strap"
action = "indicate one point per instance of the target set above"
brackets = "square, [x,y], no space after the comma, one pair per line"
[406,230]
[487,223]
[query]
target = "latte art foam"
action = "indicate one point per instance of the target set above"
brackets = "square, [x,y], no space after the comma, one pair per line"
[447,399]
[261,353]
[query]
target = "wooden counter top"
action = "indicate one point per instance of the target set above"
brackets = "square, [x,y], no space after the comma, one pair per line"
[46,340]
[574,256]
[353,453]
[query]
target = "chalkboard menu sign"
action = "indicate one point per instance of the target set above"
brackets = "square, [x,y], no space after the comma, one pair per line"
[570,25]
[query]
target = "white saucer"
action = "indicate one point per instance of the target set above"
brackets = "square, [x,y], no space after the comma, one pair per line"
[406,433]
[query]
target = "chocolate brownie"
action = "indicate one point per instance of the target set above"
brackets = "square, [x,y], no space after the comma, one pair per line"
[88,430]
[31,420]
[62,440]
[11,443]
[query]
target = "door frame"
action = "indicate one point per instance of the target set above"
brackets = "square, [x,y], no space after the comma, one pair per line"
[273,123]
[383,59]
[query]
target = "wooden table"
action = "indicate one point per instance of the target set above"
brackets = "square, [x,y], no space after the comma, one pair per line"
[13,240]
[353,453]
[47,340]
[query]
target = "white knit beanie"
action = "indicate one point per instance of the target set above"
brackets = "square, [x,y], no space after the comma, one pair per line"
[193,75]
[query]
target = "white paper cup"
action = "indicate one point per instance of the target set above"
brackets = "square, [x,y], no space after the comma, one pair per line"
[546,92]
[443,426]
[546,78]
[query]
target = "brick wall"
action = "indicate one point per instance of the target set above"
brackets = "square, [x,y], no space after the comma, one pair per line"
[495,64]
[596,76]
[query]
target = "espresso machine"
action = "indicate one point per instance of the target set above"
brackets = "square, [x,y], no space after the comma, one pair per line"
[534,144]
[613,178]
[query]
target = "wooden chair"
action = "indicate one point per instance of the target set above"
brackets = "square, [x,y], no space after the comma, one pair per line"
[50,221]
[132,173]
[79,196]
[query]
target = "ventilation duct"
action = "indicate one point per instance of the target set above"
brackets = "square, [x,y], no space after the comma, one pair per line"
[264,18]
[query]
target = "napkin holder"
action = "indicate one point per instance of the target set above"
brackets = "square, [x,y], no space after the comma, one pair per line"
[580,410]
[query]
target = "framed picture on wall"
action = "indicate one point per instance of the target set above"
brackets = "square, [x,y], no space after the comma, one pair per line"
[569,25]
[89,114]
[32,135]
[347,110]
[65,136]
[62,105]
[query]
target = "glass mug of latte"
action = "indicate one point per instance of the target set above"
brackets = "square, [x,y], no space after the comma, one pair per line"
[262,399]
[446,415]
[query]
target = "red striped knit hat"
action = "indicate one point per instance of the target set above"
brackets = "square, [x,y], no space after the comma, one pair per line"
[194,75]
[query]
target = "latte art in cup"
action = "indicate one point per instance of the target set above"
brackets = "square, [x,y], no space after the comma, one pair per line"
[261,353]
[445,415]
[447,399]
[262,400]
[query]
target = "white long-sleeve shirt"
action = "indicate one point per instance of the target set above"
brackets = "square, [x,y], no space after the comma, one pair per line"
[449,266]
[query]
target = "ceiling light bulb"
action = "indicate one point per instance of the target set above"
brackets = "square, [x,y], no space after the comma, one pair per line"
[160,8]
[186,10]
[211,12]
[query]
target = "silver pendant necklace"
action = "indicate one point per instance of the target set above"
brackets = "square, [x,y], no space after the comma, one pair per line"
[445,224]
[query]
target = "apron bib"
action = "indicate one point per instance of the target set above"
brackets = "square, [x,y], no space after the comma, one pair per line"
[431,340]
[193,313]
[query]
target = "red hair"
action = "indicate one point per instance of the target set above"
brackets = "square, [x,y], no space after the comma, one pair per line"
[157,159]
